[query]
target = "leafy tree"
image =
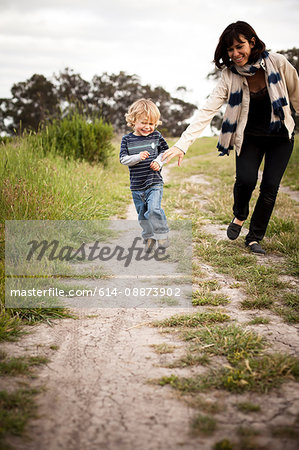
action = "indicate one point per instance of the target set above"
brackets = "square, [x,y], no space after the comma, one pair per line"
[2,114]
[111,96]
[73,91]
[32,103]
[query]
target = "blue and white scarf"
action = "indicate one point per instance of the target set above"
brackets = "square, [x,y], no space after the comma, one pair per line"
[232,113]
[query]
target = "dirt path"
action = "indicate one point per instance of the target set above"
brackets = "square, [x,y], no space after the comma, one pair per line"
[97,394]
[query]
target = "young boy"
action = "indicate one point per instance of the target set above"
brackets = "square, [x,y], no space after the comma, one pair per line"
[142,150]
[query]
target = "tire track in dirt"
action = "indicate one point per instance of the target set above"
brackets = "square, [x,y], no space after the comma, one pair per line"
[97,395]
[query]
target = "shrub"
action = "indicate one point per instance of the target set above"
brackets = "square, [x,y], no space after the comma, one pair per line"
[78,137]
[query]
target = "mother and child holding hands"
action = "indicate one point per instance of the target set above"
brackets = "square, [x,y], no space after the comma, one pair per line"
[259,89]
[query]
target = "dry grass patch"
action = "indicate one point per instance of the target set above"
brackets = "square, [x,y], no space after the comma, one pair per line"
[192,320]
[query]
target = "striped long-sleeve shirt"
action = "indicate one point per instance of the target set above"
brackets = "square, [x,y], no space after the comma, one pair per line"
[141,175]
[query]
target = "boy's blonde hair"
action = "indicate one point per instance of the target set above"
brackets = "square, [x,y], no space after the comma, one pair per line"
[144,106]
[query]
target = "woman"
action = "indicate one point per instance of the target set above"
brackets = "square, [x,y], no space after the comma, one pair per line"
[258,87]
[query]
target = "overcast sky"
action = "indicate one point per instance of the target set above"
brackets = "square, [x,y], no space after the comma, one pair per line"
[166,42]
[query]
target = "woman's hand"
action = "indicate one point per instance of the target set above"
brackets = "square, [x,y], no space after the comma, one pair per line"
[171,153]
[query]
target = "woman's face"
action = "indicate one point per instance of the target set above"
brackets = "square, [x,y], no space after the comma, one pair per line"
[239,52]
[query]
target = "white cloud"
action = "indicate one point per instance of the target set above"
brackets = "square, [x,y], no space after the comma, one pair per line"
[167,42]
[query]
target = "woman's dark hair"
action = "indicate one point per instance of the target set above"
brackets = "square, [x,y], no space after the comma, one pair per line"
[233,31]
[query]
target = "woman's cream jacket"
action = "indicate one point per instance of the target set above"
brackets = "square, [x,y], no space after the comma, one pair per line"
[221,93]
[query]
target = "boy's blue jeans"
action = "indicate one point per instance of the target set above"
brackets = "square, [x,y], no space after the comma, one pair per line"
[151,216]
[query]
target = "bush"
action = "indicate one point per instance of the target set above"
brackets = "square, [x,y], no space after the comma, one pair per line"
[78,137]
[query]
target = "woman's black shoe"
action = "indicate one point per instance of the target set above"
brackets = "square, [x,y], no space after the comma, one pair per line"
[233,230]
[256,248]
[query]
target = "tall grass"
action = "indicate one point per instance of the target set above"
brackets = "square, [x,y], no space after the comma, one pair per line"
[35,186]
[39,185]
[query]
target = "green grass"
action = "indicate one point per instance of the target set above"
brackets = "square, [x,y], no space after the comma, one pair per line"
[21,365]
[291,300]
[54,347]
[208,285]
[231,258]
[224,444]
[288,314]
[247,431]
[285,431]
[192,320]
[278,226]
[202,298]
[248,407]
[197,401]
[259,321]
[259,282]
[167,301]
[31,316]
[163,348]
[263,301]
[191,359]
[10,327]
[257,374]
[231,341]
[203,425]
[15,410]
[40,187]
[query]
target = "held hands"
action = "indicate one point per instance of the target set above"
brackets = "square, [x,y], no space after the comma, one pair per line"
[155,166]
[144,155]
[171,153]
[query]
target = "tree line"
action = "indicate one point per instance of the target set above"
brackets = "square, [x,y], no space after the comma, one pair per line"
[39,101]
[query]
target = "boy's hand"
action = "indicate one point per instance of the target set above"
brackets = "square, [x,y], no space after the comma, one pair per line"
[155,166]
[144,155]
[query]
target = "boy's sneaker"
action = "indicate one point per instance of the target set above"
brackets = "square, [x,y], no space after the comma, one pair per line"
[163,243]
[149,245]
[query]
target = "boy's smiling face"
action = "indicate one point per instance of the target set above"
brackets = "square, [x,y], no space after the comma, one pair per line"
[144,126]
